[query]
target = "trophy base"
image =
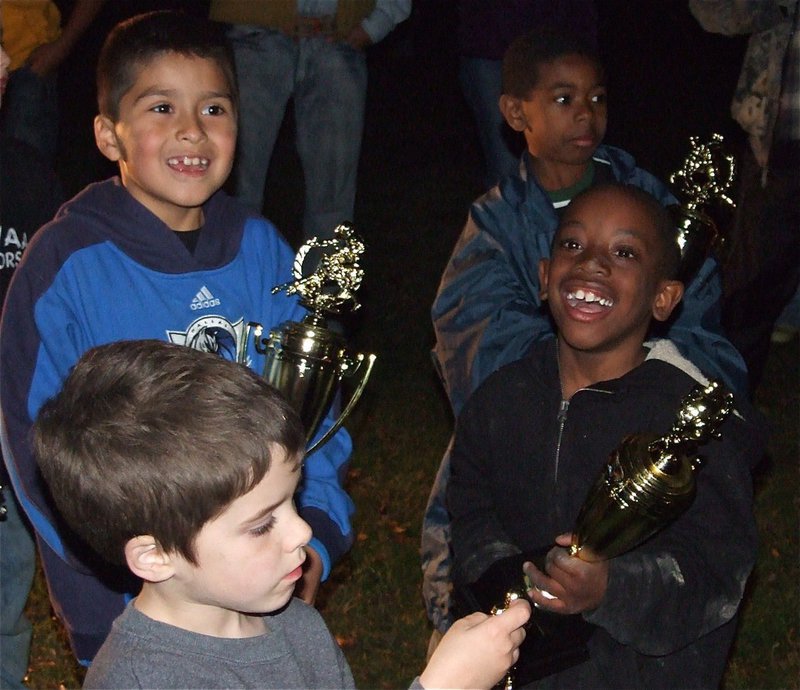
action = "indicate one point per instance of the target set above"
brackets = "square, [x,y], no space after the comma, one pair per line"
[553,642]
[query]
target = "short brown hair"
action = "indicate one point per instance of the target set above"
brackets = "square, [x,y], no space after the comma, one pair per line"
[147,437]
[135,42]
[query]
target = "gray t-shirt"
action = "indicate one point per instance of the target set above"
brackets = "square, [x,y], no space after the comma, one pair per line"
[298,651]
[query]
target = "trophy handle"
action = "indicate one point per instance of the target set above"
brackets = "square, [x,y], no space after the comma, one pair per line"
[366,370]
[260,343]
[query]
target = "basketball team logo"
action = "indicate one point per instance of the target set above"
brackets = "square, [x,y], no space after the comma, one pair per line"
[213,334]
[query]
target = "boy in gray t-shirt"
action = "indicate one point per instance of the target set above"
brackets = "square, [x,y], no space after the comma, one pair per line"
[183,466]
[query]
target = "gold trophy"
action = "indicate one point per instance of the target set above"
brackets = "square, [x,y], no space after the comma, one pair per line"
[649,480]
[306,361]
[702,185]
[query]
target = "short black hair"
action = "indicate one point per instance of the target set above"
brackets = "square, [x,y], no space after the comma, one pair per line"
[541,45]
[133,43]
[149,437]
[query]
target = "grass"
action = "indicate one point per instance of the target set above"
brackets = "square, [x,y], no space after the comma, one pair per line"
[418,175]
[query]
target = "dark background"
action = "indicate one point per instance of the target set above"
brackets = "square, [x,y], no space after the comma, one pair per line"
[668,80]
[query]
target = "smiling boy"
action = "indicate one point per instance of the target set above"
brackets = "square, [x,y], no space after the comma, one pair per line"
[532,439]
[608,277]
[487,311]
[158,252]
[184,467]
[173,134]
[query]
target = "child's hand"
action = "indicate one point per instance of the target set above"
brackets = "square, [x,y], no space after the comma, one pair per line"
[574,585]
[478,650]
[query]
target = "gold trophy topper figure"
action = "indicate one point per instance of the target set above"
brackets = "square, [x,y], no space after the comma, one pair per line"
[337,276]
[707,173]
[703,184]
[305,360]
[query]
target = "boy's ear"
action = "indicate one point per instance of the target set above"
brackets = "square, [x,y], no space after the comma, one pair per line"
[106,138]
[511,107]
[147,560]
[544,266]
[669,294]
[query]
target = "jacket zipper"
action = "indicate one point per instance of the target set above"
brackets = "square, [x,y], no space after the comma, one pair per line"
[562,420]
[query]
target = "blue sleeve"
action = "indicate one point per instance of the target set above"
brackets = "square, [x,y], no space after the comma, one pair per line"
[39,343]
[322,501]
[697,330]
[487,311]
[697,327]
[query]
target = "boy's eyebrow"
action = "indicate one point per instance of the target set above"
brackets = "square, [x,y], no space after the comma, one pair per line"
[161,91]
[261,514]
[572,85]
[634,233]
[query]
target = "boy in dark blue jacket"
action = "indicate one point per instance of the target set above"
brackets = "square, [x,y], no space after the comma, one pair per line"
[487,312]
[159,252]
[534,436]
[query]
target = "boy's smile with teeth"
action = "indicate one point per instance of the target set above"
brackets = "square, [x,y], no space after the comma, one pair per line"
[181,162]
[574,297]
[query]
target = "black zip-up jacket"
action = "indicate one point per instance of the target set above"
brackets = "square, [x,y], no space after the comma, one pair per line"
[522,464]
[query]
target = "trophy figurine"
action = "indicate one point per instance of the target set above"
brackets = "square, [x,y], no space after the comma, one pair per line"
[306,361]
[702,185]
[649,480]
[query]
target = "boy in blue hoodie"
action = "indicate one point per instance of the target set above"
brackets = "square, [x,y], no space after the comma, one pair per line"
[158,252]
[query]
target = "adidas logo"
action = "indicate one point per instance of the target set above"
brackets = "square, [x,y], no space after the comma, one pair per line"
[203,300]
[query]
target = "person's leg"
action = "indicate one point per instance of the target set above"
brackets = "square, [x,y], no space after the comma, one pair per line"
[265,66]
[763,270]
[30,111]
[17,566]
[329,117]
[481,83]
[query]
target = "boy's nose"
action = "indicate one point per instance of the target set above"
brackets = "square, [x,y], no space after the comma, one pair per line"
[593,262]
[191,129]
[299,534]
[584,108]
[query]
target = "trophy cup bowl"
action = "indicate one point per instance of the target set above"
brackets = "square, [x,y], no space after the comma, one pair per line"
[697,237]
[305,360]
[637,493]
[649,480]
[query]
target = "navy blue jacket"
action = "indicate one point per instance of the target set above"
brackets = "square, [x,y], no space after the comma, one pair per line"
[488,313]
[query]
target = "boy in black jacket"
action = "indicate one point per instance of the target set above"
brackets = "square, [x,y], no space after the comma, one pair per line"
[534,436]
